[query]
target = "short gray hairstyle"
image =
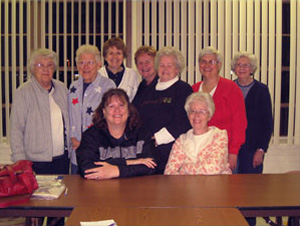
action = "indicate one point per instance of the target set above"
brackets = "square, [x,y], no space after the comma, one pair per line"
[91,49]
[252,58]
[200,97]
[41,53]
[171,51]
[210,50]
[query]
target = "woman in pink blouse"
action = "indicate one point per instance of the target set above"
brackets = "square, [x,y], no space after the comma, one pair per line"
[203,149]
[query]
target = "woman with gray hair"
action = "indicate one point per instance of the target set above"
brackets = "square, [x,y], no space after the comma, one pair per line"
[230,107]
[162,111]
[85,95]
[39,121]
[203,149]
[259,113]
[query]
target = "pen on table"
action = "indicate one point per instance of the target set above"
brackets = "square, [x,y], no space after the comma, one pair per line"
[66,191]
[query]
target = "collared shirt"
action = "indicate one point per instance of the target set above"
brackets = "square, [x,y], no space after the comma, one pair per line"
[116,77]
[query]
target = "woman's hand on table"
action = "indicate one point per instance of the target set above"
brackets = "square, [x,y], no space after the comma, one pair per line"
[149,162]
[105,171]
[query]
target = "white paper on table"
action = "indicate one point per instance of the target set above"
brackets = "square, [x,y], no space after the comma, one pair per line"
[99,223]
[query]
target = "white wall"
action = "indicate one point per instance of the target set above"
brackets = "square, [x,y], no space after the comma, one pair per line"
[282,158]
[5,154]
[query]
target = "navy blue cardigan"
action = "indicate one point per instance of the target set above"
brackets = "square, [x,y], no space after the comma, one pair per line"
[259,117]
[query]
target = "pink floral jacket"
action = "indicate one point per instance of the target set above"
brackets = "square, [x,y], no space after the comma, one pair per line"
[210,158]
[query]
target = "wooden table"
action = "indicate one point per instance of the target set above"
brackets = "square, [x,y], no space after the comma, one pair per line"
[159,216]
[252,194]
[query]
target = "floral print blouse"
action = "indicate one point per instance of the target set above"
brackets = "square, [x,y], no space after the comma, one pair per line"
[200,154]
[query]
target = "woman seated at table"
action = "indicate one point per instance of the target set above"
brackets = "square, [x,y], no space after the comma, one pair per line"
[203,149]
[113,146]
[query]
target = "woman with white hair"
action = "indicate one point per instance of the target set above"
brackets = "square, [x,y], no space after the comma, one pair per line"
[259,113]
[203,149]
[85,94]
[162,111]
[230,107]
[39,121]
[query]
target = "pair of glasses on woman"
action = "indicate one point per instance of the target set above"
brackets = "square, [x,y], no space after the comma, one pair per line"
[47,66]
[243,65]
[199,112]
[210,62]
[88,63]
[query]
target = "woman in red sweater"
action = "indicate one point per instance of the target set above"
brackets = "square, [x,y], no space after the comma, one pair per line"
[230,111]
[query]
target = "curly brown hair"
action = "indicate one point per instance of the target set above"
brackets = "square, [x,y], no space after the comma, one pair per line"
[133,120]
[114,42]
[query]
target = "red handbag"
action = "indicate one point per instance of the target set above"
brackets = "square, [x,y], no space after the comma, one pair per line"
[17,179]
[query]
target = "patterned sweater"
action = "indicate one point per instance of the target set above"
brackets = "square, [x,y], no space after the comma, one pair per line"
[204,154]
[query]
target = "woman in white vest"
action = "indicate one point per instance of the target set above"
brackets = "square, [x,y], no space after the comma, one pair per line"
[114,53]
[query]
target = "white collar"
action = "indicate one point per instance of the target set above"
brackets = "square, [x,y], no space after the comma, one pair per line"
[165,85]
[212,92]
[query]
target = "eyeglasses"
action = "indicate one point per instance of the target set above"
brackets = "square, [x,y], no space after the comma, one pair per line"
[243,65]
[210,62]
[41,66]
[168,66]
[88,63]
[200,112]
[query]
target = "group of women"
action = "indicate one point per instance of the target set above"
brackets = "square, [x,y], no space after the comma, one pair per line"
[156,126]
[156,123]
[109,125]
